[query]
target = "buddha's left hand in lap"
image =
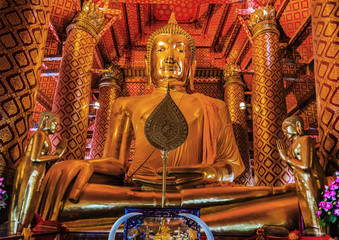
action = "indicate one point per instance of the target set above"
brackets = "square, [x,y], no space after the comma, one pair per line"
[203,174]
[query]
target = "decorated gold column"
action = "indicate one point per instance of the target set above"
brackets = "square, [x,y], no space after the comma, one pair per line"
[23,33]
[233,96]
[110,88]
[326,43]
[71,100]
[268,99]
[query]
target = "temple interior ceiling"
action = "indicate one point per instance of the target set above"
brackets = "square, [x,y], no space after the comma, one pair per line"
[215,27]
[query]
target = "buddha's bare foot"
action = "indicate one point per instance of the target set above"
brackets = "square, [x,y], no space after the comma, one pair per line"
[277,231]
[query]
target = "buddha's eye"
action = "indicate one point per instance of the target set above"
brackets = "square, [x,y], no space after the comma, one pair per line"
[160,48]
[180,47]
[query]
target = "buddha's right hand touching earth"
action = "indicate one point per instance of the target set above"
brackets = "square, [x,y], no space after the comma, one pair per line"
[60,177]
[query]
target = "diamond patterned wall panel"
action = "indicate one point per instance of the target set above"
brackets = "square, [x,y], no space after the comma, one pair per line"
[292,18]
[51,45]
[71,101]
[269,111]
[38,108]
[306,49]
[62,14]
[325,22]
[135,86]
[291,102]
[203,58]
[211,87]
[234,95]
[294,15]
[23,33]
[309,115]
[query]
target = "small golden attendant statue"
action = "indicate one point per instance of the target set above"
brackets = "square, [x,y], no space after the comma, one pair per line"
[308,173]
[30,172]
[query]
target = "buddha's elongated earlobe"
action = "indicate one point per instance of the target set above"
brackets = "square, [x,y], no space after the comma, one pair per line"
[148,73]
[191,74]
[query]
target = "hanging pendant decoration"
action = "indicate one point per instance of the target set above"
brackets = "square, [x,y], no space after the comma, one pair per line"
[166,128]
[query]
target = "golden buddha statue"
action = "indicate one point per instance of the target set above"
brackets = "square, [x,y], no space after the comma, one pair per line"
[308,173]
[31,170]
[200,169]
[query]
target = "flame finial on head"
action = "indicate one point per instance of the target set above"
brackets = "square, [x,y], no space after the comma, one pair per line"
[172,19]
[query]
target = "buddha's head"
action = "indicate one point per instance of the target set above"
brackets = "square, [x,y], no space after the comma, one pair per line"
[293,126]
[170,56]
[49,122]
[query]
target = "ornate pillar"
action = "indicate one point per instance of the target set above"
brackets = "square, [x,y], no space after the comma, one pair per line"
[23,33]
[71,100]
[233,96]
[268,99]
[325,32]
[110,89]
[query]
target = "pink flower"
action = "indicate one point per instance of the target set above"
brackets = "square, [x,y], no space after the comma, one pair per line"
[329,205]
[327,194]
[333,186]
[322,204]
[319,213]
[336,211]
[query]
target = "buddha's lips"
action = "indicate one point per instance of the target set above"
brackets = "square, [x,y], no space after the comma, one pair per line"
[170,68]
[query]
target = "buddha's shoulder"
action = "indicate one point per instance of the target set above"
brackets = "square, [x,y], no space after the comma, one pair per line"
[130,102]
[198,97]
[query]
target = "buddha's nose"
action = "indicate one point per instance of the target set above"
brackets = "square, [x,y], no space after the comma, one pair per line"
[170,59]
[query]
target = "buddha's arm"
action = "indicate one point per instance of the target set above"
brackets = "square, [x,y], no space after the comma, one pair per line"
[301,156]
[36,145]
[228,159]
[119,136]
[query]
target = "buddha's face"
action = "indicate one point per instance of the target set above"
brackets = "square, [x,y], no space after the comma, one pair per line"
[52,126]
[170,59]
[289,130]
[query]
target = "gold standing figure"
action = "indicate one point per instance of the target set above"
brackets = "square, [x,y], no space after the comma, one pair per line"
[208,158]
[308,173]
[30,172]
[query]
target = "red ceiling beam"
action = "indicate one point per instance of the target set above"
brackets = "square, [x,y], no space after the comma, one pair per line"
[282,9]
[44,100]
[54,32]
[209,15]
[221,25]
[302,33]
[233,37]
[243,52]
[115,43]
[128,35]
